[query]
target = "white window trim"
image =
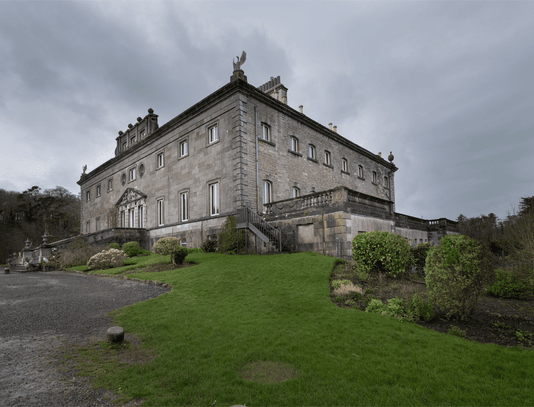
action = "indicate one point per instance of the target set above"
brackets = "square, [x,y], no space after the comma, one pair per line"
[158,155]
[215,133]
[98,190]
[131,217]
[184,206]
[186,144]
[214,201]
[132,174]
[295,192]
[140,216]
[160,211]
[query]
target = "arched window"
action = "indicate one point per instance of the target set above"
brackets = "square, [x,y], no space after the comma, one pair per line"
[360,171]
[344,165]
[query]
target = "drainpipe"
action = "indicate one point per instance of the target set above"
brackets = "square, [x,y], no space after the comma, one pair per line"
[256,143]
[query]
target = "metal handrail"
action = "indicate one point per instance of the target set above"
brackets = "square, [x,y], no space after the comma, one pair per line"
[247,215]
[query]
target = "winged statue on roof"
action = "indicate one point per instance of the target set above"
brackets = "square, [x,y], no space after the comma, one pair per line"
[240,61]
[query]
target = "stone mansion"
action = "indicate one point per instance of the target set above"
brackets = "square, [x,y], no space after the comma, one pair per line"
[293,183]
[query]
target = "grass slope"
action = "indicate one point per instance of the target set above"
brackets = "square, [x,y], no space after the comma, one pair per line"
[228,311]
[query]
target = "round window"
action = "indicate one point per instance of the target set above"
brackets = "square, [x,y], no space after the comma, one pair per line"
[123,179]
[141,170]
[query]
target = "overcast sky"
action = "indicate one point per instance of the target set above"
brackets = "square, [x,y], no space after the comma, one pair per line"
[448,87]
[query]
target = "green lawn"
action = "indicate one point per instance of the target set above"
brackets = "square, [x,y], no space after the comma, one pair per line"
[228,311]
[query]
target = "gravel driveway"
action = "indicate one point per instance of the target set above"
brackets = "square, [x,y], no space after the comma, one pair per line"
[39,312]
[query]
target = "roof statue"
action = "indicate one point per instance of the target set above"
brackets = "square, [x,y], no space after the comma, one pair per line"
[240,61]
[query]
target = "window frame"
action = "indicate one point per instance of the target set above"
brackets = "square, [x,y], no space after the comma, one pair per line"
[360,171]
[266,130]
[294,144]
[267,192]
[98,190]
[123,218]
[211,133]
[327,158]
[214,202]
[131,217]
[110,184]
[375,178]
[160,211]
[87,195]
[158,155]
[344,165]
[97,224]
[182,143]
[295,192]
[312,152]
[132,174]
[88,226]
[140,216]
[184,206]
[386,182]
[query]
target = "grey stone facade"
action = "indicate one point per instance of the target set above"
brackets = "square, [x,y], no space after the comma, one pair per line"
[234,149]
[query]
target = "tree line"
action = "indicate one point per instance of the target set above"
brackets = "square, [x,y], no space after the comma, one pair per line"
[29,214]
[514,235]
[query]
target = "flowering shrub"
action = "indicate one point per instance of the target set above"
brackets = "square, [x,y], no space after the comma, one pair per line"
[106,259]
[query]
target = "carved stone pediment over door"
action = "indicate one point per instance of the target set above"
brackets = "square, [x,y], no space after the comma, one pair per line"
[132,208]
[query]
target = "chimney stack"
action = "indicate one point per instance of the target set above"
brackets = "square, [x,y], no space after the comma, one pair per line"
[301,108]
[380,155]
[330,126]
[335,129]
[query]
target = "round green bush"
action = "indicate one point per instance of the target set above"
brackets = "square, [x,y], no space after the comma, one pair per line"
[114,246]
[209,246]
[180,255]
[457,271]
[382,251]
[170,246]
[508,286]
[131,249]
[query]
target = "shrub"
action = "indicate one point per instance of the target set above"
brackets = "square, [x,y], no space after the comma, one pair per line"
[420,309]
[114,246]
[131,249]
[143,252]
[179,255]
[171,246]
[77,253]
[457,270]
[384,251]
[345,287]
[106,259]
[419,254]
[508,286]
[194,250]
[227,238]
[394,308]
[362,271]
[209,246]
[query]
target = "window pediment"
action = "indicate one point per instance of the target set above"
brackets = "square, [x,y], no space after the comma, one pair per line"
[130,195]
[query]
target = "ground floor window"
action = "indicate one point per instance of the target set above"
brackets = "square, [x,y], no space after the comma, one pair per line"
[141,213]
[159,213]
[214,198]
